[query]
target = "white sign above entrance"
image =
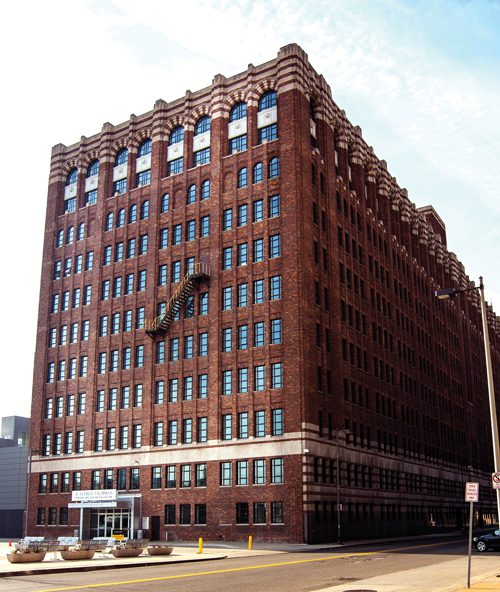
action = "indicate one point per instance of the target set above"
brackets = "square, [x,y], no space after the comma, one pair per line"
[94,495]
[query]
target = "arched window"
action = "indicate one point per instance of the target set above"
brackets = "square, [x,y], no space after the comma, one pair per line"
[177,136]
[144,148]
[258,173]
[205,189]
[239,111]
[242,177]
[145,210]
[91,184]
[165,203]
[191,194]
[143,166]
[109,221]
[60,238]
[121,157]
[267,100]
[201,143]
[202,125]
[120,175]
[72,177]
[70,235]
[132,214]
[80,233]
[120,219]
[273,168]
[93,169]
[267,119]
[175,160]
[237,129]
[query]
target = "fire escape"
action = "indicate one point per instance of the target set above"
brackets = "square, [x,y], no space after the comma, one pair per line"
[198,273]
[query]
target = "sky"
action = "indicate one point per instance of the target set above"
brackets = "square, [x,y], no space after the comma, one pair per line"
[420,77]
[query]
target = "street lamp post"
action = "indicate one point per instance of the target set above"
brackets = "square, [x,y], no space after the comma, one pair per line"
[338,431]
[450,293]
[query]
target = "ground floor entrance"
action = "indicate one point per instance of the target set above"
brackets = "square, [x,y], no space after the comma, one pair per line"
[107,522]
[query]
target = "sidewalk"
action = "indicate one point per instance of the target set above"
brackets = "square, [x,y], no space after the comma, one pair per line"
[450,576]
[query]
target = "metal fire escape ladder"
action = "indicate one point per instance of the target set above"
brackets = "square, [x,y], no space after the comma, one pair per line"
[161,324]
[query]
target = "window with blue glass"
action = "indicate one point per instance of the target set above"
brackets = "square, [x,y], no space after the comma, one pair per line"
[165,203]
[145,148]
[119,186]
[238,140]
[190,230]
[268,133]
[242,256]
[177,234]
[273,168]
[258,210]
[238,144]
[145,210]
[227,258]
[176,165]
[242,218]
[143,178]
[204,226]
[242,178]
[120,219]
[274,206]
[258,173]
[274,246]
[258,250]
[191,194]
[121,157]
[242,294]
[205,189]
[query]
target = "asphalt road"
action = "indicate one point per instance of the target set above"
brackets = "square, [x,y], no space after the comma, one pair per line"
[287,572]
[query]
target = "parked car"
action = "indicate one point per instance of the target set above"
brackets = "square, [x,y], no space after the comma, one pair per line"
[487,541]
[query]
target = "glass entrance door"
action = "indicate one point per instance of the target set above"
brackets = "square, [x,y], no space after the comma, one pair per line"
[108,521]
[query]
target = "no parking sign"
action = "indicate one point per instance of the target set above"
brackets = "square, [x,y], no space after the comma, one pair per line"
[495,479]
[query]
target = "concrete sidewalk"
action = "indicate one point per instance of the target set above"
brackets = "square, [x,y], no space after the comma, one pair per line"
[448,576]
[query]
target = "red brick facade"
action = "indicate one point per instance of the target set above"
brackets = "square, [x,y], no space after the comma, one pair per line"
[342,329]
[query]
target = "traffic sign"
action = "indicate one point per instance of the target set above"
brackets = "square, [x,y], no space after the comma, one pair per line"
[495,479]
[471,492]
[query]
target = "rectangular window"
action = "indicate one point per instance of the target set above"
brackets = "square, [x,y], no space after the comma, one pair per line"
[184,514]
[277,513]
[227,258]
[268,133]
[141,280]
[190,230]
[227,339]
[111,439]
[274,206]
[227,433]
[177,234]
[176,271]
[227,298]
[171,477]
[277,375]
[201,475]
[242,295]
[259,334]
[163,243]
[140,317]
[277,427]
[118,252]
[124,437]
[259,472]
[275,287]
[169,513]
[258,210]
[204,226]
[156,480]
[105,290]
[202,386]
[259,512]
[276,335]
[202,433]
[172,432]
[89,260]
[65,300]
[185,476]
[203,344]
[125,397]
[127,358]
[225,474]
[227,219]
[238,144]
[277,475]
[243,429]
[135,478]
[136,436]
[258,291]
[187,388]
[258,250]
[242,215]
[87,295]
[138,390]
[227,382]
[143,244]
[131,248]
[260,424]
[274,246]
[242,472]
[139,356]
[242,380]
[158,433]
[200,513]
[242,255]
[259,378]
[173,390]
[159,391]
[188,350]
[115,322]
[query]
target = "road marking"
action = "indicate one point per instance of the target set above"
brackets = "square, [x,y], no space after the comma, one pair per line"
[237,569]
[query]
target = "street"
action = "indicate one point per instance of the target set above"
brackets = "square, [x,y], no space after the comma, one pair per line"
[284,572]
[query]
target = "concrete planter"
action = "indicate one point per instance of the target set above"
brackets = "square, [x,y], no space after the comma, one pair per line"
[160,550]
[76,555]
[126,552]
[26,557]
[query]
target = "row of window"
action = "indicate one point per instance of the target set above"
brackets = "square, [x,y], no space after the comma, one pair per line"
[57,409]
[258,252]
[132,248]
[121,321]
[67,299]
[70,267]
[229,220]
[119,285]
[259,382]
[70,235]
[259,335]
[121,216]
[170,433]
[258,293]
[68,371]
[69,333]
[188,348]
[189,234]
[182,516]
[111,363]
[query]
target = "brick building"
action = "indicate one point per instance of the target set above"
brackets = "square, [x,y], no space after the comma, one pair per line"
[236,301]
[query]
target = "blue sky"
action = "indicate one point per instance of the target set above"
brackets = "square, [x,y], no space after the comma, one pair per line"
[421,78]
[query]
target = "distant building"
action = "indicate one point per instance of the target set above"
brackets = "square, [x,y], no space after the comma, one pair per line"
[237,300]
[13,464]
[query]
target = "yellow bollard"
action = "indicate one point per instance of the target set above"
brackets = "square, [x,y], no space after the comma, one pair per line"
[250,540]
[200,545]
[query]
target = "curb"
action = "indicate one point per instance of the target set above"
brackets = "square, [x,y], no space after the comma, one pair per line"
[70,568]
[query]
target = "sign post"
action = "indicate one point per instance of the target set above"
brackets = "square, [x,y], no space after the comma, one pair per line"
[471,496]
